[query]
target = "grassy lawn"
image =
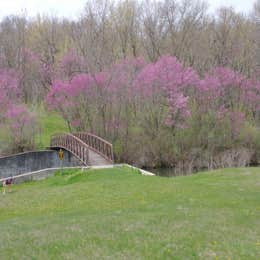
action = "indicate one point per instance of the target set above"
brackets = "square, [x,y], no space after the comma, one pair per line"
[119,214]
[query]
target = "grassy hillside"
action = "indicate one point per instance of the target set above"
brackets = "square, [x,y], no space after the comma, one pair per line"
[50,123]
[119,214]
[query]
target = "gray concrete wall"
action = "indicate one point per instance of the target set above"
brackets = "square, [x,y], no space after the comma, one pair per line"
[34,161]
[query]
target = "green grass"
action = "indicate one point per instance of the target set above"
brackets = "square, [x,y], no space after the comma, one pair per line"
[50,124]
[119,214]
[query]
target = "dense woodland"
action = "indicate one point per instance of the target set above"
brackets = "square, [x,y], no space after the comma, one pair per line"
[167,82]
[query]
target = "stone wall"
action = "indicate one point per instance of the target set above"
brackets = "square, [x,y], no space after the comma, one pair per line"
[34,161]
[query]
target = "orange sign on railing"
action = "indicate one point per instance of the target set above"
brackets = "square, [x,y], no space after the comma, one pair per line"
[61,154]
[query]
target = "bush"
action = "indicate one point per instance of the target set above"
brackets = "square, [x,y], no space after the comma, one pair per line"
[22,128]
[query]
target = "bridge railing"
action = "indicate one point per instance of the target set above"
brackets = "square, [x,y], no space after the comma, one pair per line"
[98,144]
[72,144]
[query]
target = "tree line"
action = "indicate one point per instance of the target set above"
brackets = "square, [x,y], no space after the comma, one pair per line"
[166,81]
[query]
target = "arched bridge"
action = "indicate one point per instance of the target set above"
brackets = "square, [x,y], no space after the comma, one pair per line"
[88,148]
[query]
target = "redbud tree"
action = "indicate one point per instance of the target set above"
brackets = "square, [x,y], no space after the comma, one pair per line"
[134,101]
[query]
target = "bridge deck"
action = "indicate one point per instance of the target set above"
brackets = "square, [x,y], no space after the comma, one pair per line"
[96,159]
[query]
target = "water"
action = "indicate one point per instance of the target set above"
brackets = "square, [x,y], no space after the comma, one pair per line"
[165,172]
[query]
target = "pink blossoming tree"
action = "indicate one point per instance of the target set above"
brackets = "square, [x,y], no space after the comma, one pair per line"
[22,128]
[164,104]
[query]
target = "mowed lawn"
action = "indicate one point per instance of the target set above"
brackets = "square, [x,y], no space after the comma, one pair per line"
[119,214]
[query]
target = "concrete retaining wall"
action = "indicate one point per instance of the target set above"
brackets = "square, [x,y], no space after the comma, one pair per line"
[34,161]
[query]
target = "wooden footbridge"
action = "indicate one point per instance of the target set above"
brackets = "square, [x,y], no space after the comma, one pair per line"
[88,148]
[91,150]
